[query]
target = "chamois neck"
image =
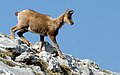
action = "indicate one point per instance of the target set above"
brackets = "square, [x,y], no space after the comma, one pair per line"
[60,20]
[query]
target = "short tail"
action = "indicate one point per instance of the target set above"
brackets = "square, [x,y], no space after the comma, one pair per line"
[16,13]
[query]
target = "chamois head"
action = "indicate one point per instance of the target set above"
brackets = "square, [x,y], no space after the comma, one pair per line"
[68,17]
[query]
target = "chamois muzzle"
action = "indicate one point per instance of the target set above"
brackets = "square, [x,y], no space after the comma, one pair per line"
[72,23]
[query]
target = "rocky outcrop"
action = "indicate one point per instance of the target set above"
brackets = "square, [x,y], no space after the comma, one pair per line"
[16,58]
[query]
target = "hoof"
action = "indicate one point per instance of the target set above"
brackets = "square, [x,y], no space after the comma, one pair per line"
[40,49]
[12,37]
[29,44]
[62,56]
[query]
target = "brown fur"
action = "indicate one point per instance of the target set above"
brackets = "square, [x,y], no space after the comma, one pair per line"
[30,20]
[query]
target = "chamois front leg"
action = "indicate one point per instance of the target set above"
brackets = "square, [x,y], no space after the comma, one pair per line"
[20,34]
[53,39]
[41,42]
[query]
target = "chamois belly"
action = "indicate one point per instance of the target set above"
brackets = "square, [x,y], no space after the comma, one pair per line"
[40,29]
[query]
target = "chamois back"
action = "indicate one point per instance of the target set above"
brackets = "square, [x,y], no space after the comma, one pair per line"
[37,22]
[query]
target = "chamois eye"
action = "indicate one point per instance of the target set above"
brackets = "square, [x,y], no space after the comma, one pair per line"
[69,17]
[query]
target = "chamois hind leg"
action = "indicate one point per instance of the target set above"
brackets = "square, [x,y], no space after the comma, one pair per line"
[53,39]
[13,30]
[20,34]
[41,42]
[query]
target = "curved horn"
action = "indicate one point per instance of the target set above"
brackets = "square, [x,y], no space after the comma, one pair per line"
[67,9]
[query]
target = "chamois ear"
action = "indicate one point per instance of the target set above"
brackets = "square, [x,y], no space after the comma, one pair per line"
[71,12]
[67,10]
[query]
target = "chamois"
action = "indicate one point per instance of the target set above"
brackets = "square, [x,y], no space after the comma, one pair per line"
[30,20]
